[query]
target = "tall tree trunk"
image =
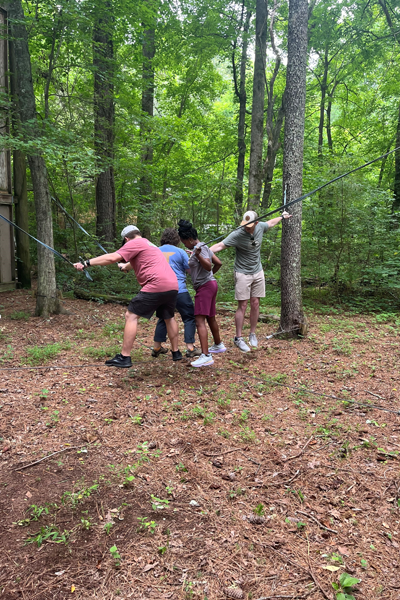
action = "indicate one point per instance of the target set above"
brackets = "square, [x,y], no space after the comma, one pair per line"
[396,189]
[20,190]
[257,114]
[242,96]
[47,300]
[291,297]
[274,122]
[323,86]
[103,64]
[146,191]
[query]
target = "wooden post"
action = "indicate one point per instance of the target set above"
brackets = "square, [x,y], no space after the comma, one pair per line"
[7,262]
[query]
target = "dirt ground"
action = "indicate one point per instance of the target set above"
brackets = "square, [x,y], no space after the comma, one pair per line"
[232,481]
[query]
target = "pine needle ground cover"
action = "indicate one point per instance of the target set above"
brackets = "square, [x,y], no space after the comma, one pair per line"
[231,482]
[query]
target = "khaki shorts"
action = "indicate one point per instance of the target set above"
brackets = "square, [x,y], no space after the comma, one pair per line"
[249,286]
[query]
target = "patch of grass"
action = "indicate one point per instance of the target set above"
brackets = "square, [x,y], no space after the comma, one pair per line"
[38,355]
[20,315]
[102,352]
[7,354]
[113,329]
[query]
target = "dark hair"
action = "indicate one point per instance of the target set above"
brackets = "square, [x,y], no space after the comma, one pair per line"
[170,236]
[132,234]
[186,230]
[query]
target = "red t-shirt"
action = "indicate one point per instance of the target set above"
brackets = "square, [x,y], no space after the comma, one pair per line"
[151,269]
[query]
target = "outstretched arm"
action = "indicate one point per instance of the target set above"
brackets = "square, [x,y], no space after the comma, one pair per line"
[218,247]
[105,259]
[277,220]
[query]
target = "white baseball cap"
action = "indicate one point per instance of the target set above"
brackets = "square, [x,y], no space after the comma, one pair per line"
[248,217]
[128,229]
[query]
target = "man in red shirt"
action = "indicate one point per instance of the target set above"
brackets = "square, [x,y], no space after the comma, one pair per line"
[158,293]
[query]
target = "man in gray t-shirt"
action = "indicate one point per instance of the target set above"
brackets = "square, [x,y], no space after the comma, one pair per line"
[249,274]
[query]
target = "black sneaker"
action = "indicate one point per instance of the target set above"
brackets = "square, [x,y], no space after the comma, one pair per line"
[156,353]
[176,355]
[119,361]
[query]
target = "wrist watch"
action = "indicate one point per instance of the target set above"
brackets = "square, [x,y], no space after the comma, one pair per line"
[87,263]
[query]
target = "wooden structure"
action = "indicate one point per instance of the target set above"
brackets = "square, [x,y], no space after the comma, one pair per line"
[7,260]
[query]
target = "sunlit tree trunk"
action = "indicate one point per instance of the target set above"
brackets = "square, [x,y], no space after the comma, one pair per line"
[103,64]
[47,301]
[292,317]
[257,114]
[396,190]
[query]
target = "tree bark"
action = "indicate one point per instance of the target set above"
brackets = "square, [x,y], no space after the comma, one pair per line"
[292,317]
[242,96]
[274,121]
[257,114]
[47,301]
[103,64]
[20,190]
[323,86]
[396,188]
[146,191]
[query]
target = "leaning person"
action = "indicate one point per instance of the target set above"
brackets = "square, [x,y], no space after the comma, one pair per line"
[202,273]
[178,261]
[158,293]
[249,274]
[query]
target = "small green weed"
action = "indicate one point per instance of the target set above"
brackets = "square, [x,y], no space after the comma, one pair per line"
[247,435]
[48,532]
[7,354]
[146,525]
[345,587]
[20,315]
[108,526]
[158,504]
[224,433]
[115,556]
[95,352]
[259,510]
[234,493]
[74,498]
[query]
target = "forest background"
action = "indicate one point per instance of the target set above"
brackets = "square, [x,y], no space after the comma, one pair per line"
[145,111]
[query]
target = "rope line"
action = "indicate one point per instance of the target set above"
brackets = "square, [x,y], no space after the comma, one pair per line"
[43,244]
[304,196]
[60,206]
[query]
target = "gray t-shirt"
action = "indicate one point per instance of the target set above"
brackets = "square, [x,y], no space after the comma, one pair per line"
[248,248]
[199,275]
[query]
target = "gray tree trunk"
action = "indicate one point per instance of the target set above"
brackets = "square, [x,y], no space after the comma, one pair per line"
[103,63]
[146,191]
[323,86]
[20,190]
[257,114]
[242,96]
[47,301]
[291,299]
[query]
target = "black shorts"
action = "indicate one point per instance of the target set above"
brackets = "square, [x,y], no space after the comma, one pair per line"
[145,304]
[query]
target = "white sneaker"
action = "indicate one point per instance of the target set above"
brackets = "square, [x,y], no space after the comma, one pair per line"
[204,360]
[241,344]
[253,340]
[216,348]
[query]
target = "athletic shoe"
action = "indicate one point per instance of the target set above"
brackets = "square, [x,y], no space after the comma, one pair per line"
[241,344]
[119,361]
[253,340]
[156,353]
[204,360]
[217,348]
[193,353]
[176,355]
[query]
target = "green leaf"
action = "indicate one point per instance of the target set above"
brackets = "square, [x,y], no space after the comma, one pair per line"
[347,580]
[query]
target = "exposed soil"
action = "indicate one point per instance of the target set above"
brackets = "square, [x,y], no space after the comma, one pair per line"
[213,444]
